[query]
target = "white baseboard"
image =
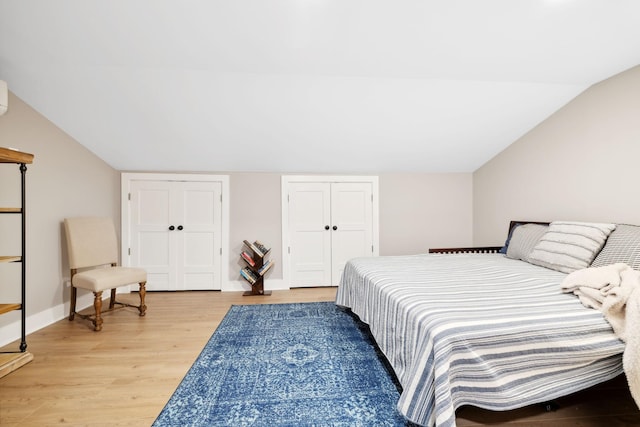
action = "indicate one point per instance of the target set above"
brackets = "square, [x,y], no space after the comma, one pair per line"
[11,331]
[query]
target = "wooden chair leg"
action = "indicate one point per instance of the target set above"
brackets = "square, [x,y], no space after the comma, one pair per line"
[72,305]
[97,304]
[112,300]
[143,292]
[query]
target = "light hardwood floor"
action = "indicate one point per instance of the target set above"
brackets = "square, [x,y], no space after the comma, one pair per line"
[123,375]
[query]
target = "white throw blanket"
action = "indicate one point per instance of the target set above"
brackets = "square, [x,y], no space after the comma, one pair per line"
[615,291]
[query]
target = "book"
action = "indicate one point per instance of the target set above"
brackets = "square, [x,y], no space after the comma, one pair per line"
[262,247]
[254,248]
[248,275]
[248,258]
[251,273]
[265,267]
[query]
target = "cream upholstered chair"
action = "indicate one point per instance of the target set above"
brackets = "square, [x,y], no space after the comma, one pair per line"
[93,258]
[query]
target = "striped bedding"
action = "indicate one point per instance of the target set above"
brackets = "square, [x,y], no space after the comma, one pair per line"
[477,329]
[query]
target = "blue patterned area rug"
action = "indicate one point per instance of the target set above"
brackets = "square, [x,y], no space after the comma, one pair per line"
[306,364]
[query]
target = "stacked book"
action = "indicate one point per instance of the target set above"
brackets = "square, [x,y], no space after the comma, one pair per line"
[245,255]
[257,247]
[267,265]
[249,275]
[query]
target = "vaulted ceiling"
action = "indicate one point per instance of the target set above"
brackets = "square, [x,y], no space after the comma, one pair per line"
[315,86]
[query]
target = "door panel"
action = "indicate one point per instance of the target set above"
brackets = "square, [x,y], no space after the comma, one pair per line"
[201,203]
[310,243]
[153,205]
[153,253]
[151,244]
[352,215]
[198,243]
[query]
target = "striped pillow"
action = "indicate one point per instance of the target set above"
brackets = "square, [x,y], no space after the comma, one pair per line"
[570,246]
[623,245]
[523,239]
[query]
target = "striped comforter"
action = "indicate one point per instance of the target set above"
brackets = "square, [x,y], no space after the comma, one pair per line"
[477,329]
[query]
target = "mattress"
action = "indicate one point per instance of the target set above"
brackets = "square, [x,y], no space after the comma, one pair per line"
[477,329]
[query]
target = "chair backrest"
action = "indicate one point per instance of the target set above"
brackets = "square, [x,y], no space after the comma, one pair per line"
[91,241]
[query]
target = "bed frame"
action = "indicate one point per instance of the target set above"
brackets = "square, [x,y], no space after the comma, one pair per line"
[482,249]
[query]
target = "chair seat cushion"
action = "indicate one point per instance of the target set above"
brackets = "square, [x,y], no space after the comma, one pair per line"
[100,279]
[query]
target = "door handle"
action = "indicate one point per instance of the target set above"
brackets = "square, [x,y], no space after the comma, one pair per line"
[326,227]
[180,227]
[335,227]
[171,228]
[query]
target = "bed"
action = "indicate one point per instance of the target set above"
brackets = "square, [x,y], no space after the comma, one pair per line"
[482,329]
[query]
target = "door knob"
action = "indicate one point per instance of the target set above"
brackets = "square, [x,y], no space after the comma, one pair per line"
[335,227]
[180,227]
[171,228]
[326,227]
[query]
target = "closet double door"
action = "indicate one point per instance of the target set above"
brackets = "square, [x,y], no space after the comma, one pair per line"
[328,223]
[175,233]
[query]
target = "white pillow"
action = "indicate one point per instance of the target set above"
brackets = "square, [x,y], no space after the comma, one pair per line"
[570,246]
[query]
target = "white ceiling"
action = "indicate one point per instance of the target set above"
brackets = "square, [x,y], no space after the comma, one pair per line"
[315,86]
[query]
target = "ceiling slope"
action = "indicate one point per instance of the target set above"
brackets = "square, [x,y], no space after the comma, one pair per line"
[315,86]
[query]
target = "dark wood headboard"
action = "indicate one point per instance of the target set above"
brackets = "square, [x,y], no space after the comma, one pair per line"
[482,249]
[512,224]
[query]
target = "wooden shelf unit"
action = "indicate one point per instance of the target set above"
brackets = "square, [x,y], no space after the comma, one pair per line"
[6,308]
[10,155]
[12,360]
[256,268]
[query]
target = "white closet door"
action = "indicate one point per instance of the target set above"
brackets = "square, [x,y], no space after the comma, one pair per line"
[351,225]
[328,224]
[309,238]
[176,232]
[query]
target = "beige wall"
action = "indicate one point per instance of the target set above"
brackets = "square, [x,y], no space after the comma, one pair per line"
[65,179]
[255,215]
[582,163]
[422,211]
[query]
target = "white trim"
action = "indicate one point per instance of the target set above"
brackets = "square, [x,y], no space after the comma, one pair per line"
[127,177]
[46,318]
[34,323]
[288,179]
[11,331]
